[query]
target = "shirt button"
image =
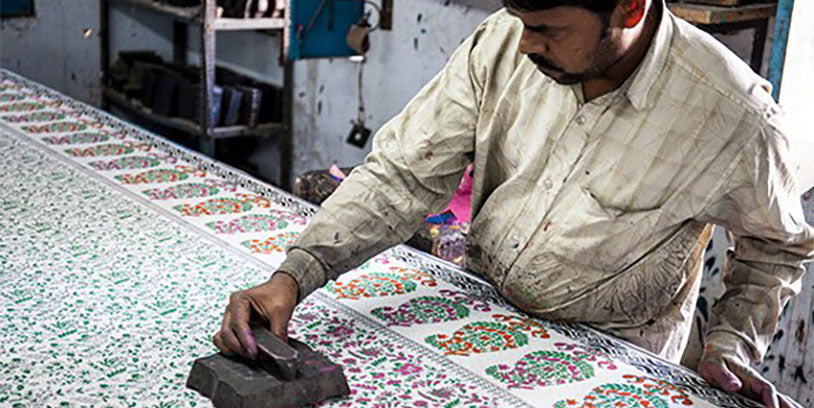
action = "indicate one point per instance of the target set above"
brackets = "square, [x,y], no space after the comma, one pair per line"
[514,243]
[548,184]
[581,120]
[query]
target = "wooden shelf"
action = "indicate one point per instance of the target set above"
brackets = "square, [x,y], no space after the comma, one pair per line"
[193,14]
[180,13]
[185,125]
[706,14]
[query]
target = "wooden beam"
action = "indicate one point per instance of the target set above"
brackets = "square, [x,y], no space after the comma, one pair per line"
[705,14]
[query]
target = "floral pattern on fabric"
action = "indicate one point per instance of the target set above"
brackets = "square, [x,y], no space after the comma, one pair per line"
[398,281]
[161,175]
[640,392]
[127,163]
[77,138]
[214,206]
[276,243]
[10,97]
[506,333]
[35,117]
[373,363]
[111,149]
[450,306]
[59,127]
[243,202]
[380,259]
[22,107]
[187,190]
[273,221]
[569,363]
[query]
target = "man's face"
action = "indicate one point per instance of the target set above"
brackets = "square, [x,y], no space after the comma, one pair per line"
[568,44]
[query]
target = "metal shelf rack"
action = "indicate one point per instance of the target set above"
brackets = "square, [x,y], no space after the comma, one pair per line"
[204,17]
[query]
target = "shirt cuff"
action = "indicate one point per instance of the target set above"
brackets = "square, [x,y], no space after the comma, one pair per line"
[306,269]
[728,344]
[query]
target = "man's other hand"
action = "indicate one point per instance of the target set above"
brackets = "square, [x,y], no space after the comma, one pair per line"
[730,374]
[270,304]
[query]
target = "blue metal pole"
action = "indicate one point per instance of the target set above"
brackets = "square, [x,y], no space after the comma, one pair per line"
[781,36]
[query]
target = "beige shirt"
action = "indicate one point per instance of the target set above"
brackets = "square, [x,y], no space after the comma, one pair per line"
[588,212]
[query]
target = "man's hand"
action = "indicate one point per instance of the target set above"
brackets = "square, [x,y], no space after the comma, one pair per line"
[270,304]
[729,374]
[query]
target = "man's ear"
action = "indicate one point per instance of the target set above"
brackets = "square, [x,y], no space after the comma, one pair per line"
[633,12]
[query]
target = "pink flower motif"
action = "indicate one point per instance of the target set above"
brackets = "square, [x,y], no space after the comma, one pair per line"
[370,352]
[307,317]
[341,331]
[444,393]
[408,369]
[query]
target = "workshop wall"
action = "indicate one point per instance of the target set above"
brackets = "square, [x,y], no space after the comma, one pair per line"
[798,86]
[400,62]
[58,47]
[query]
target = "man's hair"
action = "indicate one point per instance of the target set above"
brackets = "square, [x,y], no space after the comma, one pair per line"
[601,7]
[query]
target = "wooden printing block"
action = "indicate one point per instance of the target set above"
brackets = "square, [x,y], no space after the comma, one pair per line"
[275,354]
[240,383]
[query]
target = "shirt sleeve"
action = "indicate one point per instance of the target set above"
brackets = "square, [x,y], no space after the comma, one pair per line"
[761,206]
[414,168]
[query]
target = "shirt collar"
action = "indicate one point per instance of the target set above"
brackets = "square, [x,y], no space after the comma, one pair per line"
[641,84]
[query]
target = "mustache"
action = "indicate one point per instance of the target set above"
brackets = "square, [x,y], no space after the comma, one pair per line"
[542,62]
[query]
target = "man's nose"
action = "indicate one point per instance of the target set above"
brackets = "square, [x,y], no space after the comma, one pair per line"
[531,43]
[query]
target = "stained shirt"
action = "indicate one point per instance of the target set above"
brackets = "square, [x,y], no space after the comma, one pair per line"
[590,212]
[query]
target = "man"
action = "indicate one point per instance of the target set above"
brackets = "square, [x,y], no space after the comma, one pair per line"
[606,136]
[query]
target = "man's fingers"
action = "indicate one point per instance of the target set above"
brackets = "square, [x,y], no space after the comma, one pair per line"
[231,342]
[240,309]
[220,345]
[755,386]
[769,396]
[246,338]
[719,375]
[787,402]
[270,303]
[279,325]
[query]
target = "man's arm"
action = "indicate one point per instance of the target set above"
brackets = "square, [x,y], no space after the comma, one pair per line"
[761,207]
[415,166]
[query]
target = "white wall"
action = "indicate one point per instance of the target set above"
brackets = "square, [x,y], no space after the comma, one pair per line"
[797,87]
[54,48]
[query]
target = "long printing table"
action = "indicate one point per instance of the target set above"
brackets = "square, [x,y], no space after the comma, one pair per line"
[118,251]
